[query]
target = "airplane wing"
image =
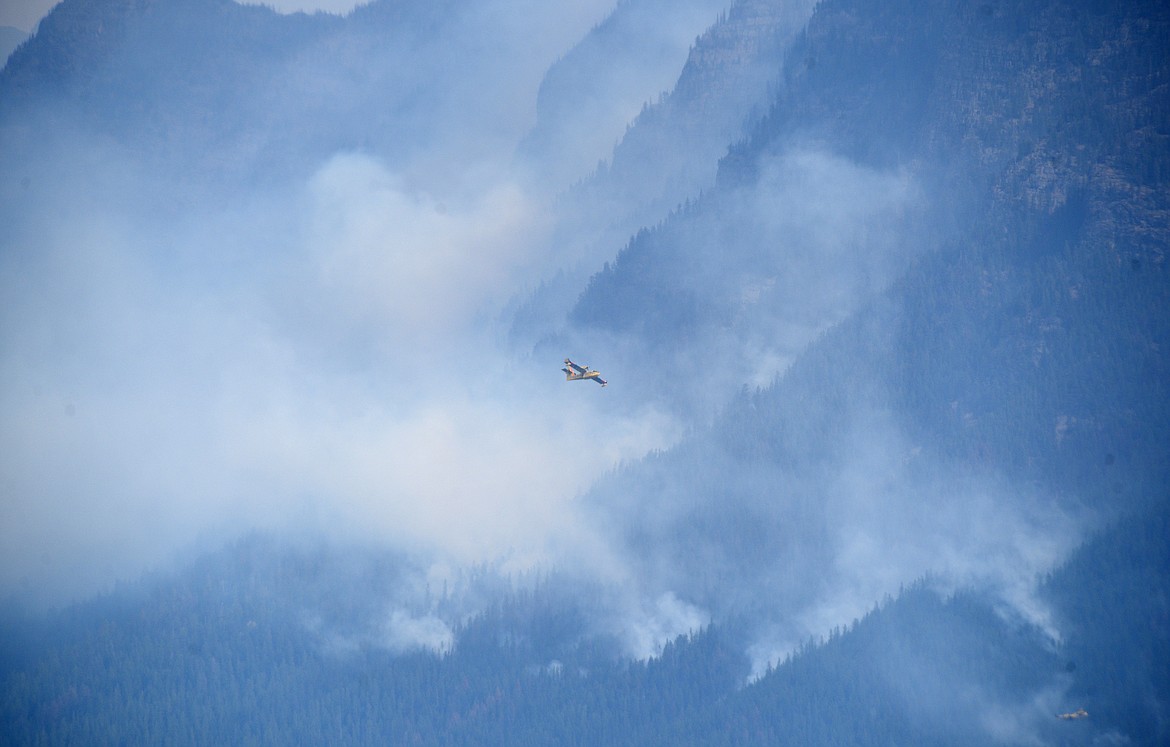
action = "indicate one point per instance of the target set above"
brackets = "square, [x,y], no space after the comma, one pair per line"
[580,370]
[600,380]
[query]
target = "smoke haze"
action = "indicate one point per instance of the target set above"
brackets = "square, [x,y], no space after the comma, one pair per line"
[191,354]
[187,358]
[328,358]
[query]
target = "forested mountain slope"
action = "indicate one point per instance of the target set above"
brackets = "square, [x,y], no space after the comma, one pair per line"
[668,154]
[983,368]
[162,77]
[10,39]
[588,97]
[277,644]
[902,142]
[226,92]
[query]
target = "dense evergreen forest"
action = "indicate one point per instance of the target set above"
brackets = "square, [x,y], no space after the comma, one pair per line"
[222,653]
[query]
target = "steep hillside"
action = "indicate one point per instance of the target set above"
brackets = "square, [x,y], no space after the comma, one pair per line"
[958,129]
[160,77]
[223,91]
[977,367]
[590,95]
[279,644]
[10,39]
[926,669]
[668,154]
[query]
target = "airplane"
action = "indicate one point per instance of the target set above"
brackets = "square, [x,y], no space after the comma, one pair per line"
[573,372]
[1079,713]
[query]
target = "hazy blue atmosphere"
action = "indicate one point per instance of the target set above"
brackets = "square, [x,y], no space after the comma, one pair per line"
[880,292]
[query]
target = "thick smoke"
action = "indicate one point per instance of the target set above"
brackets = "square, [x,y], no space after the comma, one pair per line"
[162,381]
[185,357]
